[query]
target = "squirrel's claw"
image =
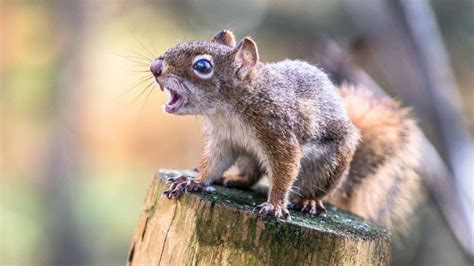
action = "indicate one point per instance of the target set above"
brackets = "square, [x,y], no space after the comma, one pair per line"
[320,209]
[269,209]
[179,185]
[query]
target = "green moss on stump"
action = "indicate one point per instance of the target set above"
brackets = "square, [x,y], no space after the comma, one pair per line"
[336,221]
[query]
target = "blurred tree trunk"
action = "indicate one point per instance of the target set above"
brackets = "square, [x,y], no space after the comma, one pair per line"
[63,159]
[446,104]
[407,46]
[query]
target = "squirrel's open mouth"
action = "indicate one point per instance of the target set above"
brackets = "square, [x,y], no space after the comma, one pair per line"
[175,102]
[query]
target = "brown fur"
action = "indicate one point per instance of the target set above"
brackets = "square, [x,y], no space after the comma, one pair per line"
[287,120]
[382,181]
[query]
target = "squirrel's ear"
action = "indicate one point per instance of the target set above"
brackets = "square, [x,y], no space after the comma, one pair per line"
[246,57]
[225,37]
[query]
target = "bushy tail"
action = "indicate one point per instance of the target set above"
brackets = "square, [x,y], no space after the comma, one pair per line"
[383,182]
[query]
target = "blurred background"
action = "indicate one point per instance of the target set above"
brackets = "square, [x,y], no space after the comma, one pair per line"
[82,131]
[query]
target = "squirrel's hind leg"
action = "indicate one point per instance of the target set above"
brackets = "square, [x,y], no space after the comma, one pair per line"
[249,173]
[311,206]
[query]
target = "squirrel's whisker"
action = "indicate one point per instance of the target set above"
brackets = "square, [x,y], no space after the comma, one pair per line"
[145,49]
[135,85]
[146,99]
[141,93]
[134,59]
[142,56]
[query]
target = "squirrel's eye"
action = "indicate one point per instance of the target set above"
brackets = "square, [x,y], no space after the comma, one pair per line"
[203,66]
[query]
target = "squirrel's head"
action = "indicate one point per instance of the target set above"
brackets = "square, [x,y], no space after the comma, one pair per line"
[201,75]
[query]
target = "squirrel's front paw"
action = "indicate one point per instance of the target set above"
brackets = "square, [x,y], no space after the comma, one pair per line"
[269,209]
[179,185]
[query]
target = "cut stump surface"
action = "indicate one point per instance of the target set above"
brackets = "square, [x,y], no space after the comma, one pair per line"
[219,228]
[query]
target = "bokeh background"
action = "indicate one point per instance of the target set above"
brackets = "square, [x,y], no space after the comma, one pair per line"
[82,134]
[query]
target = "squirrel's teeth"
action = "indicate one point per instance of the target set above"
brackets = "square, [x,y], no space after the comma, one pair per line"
[168,94]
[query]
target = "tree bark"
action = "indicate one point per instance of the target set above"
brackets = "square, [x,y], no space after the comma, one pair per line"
[219,228]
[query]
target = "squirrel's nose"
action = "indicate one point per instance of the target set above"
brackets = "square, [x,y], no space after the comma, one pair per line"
[156,67]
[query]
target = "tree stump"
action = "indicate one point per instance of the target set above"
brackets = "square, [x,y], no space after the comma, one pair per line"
[219,228]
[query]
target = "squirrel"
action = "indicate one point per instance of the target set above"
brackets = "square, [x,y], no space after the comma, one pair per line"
[286,120]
